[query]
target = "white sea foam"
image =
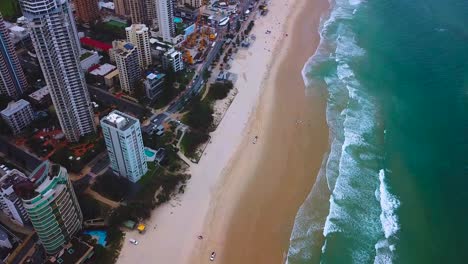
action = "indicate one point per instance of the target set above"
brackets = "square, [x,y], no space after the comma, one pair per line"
[389,203]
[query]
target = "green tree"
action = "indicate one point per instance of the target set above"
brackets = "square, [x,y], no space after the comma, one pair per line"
[139,91]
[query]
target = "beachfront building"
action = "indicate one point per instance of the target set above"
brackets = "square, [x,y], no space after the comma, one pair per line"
[55,39]
[125,55]
[124,144]
[12,79]
[52,206]
[173,59]
[18,115]
[87,11]
[154,82]
[138,35]
[10,203]
[165,14]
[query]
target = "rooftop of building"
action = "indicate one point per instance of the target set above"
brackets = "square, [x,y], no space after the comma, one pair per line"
[12,178]
[39,94]
[14,107]
[172,53]
[76,251]
[119,120]
[123,48]
[155,75]
[102,70]
[108,5]
[139,28]
[39,180]
[95,44]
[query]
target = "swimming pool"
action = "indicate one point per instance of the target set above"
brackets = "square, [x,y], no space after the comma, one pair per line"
[177,20]
[150,154]
[100,235]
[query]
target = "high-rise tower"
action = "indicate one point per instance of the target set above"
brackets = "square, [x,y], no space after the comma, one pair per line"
[51,204]
[138,35]
[165,13]
[55,39]
[12,79]
[87,10]
[124,144]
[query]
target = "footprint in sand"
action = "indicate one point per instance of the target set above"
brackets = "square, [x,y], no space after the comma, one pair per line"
[244,76]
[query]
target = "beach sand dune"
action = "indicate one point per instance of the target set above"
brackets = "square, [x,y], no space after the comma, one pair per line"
[243,197]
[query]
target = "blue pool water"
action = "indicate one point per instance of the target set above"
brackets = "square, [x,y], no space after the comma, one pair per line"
[177,20]
[101,236]
[149,153]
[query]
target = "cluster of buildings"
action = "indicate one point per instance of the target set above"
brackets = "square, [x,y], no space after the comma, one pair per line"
[64,63]
[46,201]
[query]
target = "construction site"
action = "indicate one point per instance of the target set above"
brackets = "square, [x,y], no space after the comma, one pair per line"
[197,45]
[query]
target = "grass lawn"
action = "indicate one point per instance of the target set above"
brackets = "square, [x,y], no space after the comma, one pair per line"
[9,8]
[152,168]
[116,24]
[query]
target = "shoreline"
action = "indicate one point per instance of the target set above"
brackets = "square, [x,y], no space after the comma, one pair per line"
[246,218]
[173,228]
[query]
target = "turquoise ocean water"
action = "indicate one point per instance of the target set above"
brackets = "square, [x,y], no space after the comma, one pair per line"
[394,185]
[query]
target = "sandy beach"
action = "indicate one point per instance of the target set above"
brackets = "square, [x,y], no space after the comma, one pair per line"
[243,197]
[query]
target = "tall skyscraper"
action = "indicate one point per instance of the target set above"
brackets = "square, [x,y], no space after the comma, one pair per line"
[12,80]
[125,55]
[52,206]
[87,10]
[165,13]
[55,39]
[124,144]
[138,35]
[142,11]
[121,7]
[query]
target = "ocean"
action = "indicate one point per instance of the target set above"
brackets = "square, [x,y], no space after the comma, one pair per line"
[393,187]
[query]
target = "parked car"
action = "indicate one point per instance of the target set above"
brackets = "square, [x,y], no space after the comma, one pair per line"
[133,241]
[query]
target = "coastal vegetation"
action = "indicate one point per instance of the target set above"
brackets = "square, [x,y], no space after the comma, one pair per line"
[174,84]
[200,118]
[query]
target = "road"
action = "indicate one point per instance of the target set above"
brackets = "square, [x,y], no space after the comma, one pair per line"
[197,83]
[122,104]
[27,160]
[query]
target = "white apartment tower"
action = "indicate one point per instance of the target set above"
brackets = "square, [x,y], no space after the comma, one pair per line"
[124,144]
[138,35]
[18,115]
[165,14]
[10,203]
[55,40]
[125,55]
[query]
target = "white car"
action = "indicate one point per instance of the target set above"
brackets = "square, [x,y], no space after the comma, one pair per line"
[212,256]
[133,241]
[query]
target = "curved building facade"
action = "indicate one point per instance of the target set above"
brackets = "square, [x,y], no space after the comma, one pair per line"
[52,206]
